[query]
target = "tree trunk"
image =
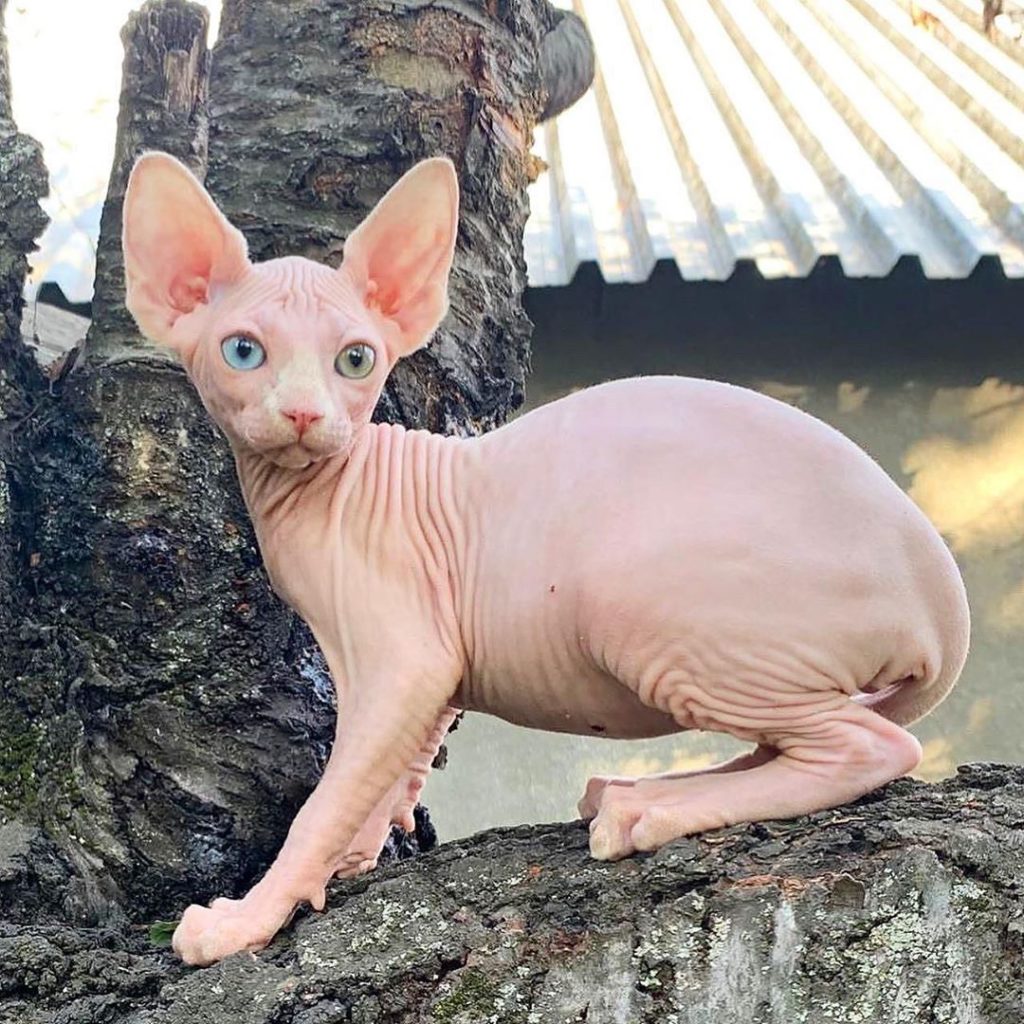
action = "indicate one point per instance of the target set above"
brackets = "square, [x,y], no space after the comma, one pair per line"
[22,184]
[906,906]
[23,181]
[161,732]
[164,715]
[23,859]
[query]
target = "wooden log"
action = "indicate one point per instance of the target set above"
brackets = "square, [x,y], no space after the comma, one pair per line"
[903,907]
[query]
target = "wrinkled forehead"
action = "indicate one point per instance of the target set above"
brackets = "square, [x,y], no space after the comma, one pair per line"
[292,291]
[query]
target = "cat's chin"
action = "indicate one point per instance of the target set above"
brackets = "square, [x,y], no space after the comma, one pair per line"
[295,457]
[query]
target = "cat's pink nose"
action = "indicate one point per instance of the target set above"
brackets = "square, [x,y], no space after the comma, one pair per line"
[302,418]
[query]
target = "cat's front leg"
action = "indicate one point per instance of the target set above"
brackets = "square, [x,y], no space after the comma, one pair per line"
[397,806]
[384,727]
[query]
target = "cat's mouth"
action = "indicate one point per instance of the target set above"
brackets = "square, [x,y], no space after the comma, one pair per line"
[297,455]
[295,452]
[304,452]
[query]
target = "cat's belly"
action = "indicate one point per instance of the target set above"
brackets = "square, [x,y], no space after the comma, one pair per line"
[577,699]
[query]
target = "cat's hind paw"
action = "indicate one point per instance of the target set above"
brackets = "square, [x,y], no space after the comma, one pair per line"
[354,864]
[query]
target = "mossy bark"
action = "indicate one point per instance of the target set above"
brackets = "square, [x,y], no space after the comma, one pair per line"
[904,908]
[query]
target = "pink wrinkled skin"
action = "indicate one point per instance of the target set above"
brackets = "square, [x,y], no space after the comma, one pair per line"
[641,558]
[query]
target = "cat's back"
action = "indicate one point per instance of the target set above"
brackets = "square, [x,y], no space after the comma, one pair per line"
[682,423]
[683,475]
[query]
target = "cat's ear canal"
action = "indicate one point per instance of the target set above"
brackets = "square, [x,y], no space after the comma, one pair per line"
[177,246]
[398,259]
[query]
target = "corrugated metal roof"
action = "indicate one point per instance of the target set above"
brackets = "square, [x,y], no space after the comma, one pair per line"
[770,131]
[781,131]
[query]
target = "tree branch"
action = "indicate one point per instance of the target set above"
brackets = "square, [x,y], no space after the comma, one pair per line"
[904,906]
[567,62]
[164,86]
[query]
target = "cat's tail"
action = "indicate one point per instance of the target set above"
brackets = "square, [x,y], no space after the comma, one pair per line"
[904,701]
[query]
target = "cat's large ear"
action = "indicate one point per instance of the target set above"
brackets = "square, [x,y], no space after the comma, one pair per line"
[399,257]
[178,246]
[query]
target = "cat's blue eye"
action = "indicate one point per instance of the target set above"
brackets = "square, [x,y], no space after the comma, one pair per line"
[356,361]
[242,352]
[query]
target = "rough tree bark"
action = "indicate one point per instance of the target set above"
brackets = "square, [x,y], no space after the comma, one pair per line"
[164,715]
[905,908]
[22,184]
[161,731]
[165,83]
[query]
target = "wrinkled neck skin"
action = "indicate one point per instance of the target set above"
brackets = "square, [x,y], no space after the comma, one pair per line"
[367,545]
[275,494]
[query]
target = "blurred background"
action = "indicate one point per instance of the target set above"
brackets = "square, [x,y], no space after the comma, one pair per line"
[819,199]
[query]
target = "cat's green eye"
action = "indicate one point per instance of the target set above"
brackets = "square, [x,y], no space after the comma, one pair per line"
[356,361]
[242,352]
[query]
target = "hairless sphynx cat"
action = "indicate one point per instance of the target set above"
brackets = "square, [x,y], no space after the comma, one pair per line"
[640,558]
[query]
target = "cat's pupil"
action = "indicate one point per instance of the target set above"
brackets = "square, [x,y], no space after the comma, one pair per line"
[243,347]
[356,356]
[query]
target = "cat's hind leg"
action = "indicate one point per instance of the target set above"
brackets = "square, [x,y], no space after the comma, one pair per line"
[830,750]
[597,784]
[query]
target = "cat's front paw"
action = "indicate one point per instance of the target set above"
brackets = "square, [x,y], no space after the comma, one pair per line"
[208,934]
